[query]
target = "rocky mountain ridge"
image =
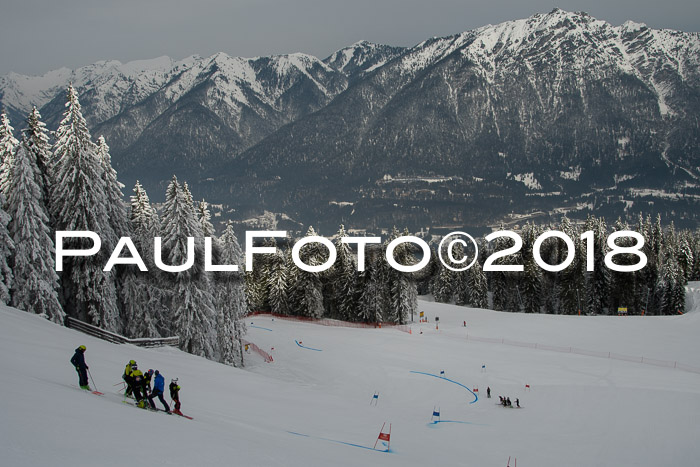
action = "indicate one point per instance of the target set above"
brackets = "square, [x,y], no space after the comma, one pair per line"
[559,112]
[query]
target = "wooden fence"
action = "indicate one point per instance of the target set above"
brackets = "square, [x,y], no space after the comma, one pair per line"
[116,338]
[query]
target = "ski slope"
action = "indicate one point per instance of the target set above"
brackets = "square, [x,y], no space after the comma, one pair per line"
[312,408]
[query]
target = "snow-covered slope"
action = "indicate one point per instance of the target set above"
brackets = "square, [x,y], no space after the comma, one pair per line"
[312,408]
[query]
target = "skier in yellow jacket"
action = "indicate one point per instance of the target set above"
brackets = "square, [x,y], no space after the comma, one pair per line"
[128,379]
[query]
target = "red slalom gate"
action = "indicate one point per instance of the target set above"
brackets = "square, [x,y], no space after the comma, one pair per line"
[384,437]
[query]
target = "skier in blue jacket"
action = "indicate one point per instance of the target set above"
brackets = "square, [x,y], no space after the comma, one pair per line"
[158,388]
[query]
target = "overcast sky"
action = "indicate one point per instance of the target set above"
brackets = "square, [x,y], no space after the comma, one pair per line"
[40,35]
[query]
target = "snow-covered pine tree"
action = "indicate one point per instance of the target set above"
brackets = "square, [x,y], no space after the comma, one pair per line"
[478,287]
[254,290]
[442,286]
[277,284]
[113,189]
[504,291]
[143,300]
[344,279]
[204,216]
[373,300]
[402,290]
[571,279]
[79,202]
[230,300]
[191,302]
[258,280]
[695,245]
[37,142]
[531,282]
[647,277]
[6,249]
[597,280]
[307,296]
[621,288]
[461,278]
[291,280]
[8,146]
[145,223]
[35,286]
[671,287]
[684,255]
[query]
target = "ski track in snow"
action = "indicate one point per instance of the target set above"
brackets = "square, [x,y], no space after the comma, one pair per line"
[307,348]
[476,398]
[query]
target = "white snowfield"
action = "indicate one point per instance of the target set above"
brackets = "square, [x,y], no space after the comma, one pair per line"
[312,408]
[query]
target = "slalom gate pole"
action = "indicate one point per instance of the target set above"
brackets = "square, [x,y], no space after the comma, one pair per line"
[388,441]
[380,432]
[91,379]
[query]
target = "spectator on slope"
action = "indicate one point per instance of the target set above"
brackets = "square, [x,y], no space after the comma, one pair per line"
[128,379]
[175,395]
[517,402]
[78,361]
[158,388]
[488,392]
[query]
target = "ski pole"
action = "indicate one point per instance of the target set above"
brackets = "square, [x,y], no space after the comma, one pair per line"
[91,379]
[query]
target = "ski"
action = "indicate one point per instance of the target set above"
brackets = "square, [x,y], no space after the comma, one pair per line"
[150,409]
[97,393]
[181,414]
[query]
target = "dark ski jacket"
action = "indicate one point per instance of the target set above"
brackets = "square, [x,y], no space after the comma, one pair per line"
[78,359]
[147,381]
[174,391]
[138,380]
[159,384]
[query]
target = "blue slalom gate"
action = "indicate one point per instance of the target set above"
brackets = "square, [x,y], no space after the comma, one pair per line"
[476,398]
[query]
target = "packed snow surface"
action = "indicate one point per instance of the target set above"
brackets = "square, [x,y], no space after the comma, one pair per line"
[312,408]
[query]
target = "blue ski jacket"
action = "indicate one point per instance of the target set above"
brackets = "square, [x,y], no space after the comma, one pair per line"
[159,383]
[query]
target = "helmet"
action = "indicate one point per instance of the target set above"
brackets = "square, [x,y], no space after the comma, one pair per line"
[132,362]
[150,372]
[174,380]
[82,347]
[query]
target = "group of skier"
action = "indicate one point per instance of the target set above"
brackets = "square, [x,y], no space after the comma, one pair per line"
[505,402]
[138,384]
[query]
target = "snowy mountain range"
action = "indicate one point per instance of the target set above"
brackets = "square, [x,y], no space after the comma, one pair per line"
[559,112]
